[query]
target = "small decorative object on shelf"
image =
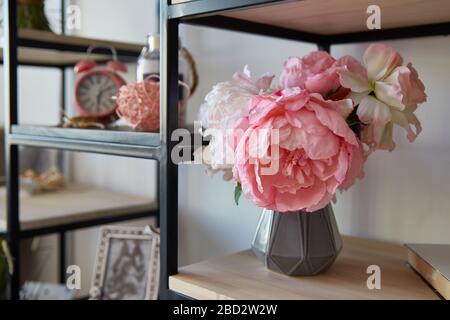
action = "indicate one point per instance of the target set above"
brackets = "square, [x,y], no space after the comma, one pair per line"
[291,147]
[138,104]
[148,67]
[127,266]
[95,88]
[31,15]
[81,122]
[50,180]
[148,63]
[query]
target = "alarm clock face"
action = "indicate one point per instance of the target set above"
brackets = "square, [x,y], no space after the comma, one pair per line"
[94,92]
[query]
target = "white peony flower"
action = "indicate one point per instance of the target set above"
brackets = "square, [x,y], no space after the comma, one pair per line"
[226,103]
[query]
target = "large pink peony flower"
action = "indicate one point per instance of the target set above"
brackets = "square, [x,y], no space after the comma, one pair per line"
[314,155]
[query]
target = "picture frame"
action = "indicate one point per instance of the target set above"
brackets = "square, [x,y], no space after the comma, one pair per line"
[127,264]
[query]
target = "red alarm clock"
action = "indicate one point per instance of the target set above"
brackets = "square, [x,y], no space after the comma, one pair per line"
[95,88]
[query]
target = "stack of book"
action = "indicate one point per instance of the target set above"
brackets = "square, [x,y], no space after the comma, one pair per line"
[432,262]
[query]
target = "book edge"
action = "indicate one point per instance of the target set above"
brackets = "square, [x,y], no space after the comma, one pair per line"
[431,275]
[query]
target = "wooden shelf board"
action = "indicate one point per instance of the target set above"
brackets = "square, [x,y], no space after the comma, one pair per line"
[46,57]
[42,52]
[343,16]
[242,276]
[146,139]
[53,38]
[74,204]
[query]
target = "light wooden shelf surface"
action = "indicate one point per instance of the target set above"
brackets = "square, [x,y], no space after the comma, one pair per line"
[50,37]
[242,276]
[47,56]
[72,204]
[328,17]
[33,56]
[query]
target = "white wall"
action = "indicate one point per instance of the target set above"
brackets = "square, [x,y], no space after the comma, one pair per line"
[404,197]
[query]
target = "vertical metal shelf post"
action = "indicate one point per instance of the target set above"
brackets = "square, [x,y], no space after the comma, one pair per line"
[12,151]
[62,234]
[168,170]
[62,256]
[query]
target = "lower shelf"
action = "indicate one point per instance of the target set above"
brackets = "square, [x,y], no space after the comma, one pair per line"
[75,207]
[242,276]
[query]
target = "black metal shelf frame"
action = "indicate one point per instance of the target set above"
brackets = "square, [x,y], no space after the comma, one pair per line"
[206,13]
[13,141]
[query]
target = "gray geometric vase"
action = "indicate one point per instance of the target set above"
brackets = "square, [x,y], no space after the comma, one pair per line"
[297,243]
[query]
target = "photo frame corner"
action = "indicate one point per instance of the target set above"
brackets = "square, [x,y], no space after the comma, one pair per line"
[105,258]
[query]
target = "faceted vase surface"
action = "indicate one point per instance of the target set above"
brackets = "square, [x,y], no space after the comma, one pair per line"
[297,243]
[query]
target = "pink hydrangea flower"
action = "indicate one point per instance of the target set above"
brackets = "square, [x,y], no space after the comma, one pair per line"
[315,153]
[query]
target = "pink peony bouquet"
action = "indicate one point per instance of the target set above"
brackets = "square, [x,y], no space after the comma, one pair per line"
[291,147]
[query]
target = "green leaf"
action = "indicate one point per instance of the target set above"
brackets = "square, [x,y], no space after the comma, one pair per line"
[237,193]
